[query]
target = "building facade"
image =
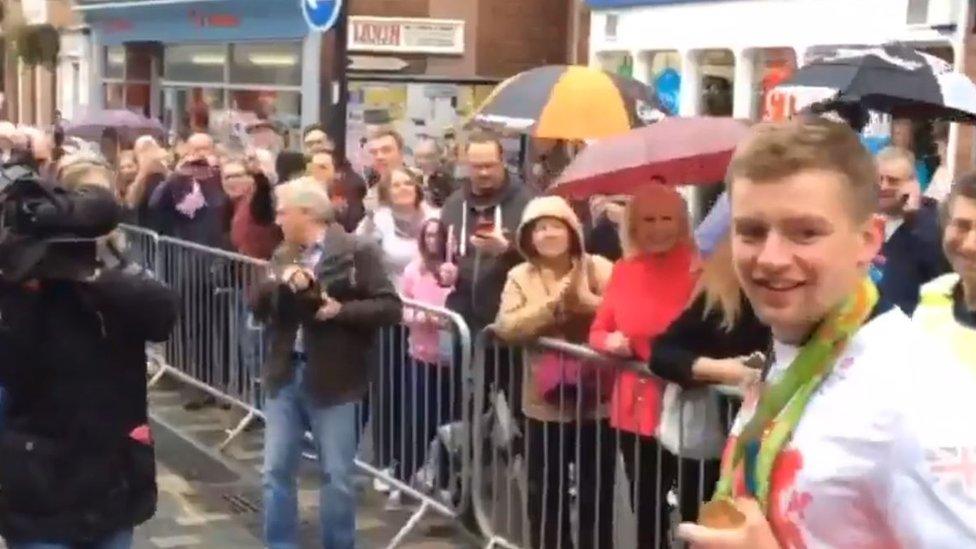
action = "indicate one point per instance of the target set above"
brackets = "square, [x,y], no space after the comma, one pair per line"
[33,94]
[723,57]
[222,64]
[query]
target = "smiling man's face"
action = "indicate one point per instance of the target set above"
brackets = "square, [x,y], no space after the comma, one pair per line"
[798,248]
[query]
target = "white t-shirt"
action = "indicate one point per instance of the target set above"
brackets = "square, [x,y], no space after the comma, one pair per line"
[885,453]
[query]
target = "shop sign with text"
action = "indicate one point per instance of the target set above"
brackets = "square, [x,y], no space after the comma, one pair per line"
[406,35]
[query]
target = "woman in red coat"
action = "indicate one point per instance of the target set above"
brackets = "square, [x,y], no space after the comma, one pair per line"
[649,288]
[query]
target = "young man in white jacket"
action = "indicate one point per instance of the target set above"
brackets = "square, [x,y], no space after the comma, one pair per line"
[861,435]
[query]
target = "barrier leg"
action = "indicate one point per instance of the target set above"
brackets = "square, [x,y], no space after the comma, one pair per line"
[236,431]
[160,372]
[409,526]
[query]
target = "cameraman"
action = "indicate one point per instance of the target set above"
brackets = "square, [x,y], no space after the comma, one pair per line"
[77,464]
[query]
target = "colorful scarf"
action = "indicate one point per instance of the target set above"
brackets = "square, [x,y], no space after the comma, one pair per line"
[782,404]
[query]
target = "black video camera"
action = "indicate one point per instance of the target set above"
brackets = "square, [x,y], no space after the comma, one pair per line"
[47,231]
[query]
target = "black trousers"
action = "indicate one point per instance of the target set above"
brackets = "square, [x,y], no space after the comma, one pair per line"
[651,471]
[430,398]
[550,448]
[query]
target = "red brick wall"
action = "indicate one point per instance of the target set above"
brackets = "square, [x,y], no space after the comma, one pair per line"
[390,8]
[514,35]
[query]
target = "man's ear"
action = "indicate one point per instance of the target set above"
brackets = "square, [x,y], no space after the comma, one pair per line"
[872,239]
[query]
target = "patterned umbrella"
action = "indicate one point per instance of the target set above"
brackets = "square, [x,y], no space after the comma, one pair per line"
[568,102]
[892,78]
[681,151]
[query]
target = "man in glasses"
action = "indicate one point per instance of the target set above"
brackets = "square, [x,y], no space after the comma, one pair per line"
[912,251]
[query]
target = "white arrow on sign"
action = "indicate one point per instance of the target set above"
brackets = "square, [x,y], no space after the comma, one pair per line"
[376,64]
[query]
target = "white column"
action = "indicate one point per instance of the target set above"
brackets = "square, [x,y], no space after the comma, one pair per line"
[689,104]
[690,95]
[311,71]
[743,96]
[96,95]
[642,66]
[959,64]
[801,54]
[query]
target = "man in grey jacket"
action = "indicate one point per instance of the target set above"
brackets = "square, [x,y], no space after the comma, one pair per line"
[483,215]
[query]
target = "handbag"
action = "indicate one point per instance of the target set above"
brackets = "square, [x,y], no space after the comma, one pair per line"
[691,423]
[561,379]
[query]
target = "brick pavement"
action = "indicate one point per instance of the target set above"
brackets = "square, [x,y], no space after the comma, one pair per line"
[214,500]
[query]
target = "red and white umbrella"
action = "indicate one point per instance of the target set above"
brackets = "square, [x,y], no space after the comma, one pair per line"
[679,151]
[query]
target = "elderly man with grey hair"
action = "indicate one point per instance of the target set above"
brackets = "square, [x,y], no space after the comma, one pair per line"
[326,296]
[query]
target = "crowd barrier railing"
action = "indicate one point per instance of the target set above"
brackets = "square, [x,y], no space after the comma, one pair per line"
[565,453]
[417,414]
[214,347]
[415,419]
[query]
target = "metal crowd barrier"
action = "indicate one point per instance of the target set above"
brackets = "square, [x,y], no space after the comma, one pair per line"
[415,419]
[549,470]
[417,414]
[214,346]
[142,245]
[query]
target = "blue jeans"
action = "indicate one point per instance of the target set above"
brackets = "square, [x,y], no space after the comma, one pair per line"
[119,540]
[287,416]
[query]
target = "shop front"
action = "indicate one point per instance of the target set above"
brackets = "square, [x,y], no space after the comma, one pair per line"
[724,58]
[214,66]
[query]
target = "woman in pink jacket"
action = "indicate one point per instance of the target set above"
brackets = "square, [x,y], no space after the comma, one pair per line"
[649,288]
[431,387]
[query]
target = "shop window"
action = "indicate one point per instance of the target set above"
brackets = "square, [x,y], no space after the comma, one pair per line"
[416,110]
[266,63]
[115,62]
[114,96]
[717,73]
[665,71]
[773,67]
[616,62]
[282,108]
[195,63]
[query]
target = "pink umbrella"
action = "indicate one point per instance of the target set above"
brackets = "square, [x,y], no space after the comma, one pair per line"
[680,151]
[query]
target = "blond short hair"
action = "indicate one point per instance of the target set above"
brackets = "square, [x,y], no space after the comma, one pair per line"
[306,195]
[775,151]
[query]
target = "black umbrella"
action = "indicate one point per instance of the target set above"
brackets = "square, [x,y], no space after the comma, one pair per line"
[892,78]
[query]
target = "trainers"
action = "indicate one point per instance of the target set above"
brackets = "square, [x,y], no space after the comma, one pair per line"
[398,501]
[379,485]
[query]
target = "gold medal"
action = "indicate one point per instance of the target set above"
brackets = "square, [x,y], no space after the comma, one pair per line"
[721,514]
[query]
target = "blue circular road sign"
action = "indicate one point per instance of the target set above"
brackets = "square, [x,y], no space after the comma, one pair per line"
[321,15]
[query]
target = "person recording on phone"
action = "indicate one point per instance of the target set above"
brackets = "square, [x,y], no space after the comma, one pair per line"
[77,463]
[912,252]
[191,204]
[482,216]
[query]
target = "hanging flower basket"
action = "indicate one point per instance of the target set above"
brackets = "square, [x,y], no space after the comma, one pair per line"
[37,44]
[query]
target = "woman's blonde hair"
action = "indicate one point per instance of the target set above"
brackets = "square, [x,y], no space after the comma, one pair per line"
[719,285]
[667,200]
[85,168]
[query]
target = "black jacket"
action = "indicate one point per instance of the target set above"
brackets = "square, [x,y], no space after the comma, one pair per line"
[912,257]
[340,351]
[481,278]
[693,335]
[74,368]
